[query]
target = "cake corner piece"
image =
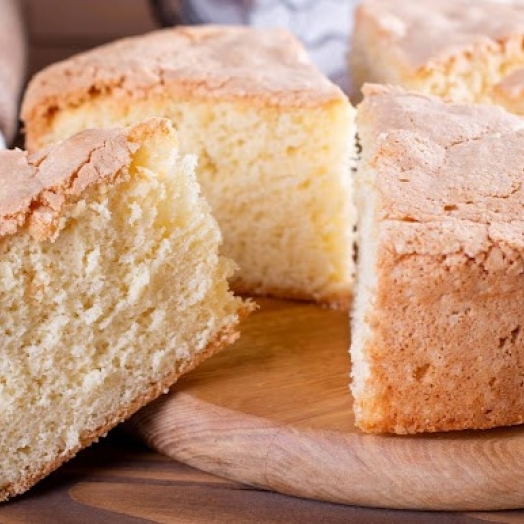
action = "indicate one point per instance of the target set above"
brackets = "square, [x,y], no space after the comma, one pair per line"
[455,49]
[112,288]
[437,330]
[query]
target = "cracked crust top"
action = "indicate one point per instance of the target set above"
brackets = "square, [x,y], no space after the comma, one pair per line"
[35,188]
[442,162]
[263,66]
[426,30]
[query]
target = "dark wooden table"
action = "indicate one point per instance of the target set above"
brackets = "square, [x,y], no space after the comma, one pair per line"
[121,481]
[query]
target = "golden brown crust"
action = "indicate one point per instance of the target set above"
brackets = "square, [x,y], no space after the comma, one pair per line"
[34,189]
[446,351]
[446,342]
[262,67]
[226,337]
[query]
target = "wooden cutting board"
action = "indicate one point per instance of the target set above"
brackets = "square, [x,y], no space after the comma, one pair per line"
[274,411]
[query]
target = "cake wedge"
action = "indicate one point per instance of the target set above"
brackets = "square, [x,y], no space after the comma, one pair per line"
[111,288]
[437,325]
[274,138]
[456,49]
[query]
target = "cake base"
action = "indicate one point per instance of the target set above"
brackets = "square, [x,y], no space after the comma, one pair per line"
[274,411]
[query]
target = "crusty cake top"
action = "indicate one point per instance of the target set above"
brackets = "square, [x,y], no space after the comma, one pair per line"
[263,66]
[34,189]
[427,30]
[439,162]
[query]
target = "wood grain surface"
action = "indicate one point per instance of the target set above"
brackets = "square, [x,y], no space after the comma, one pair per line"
[121,481]
[274,411]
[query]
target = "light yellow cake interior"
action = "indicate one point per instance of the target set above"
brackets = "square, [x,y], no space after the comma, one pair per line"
[365,285]
[278,181]
[131,291]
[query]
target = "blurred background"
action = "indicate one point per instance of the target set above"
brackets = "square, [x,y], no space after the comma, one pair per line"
[57,29]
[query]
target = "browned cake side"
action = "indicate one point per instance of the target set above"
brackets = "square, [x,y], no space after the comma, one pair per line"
[438,340]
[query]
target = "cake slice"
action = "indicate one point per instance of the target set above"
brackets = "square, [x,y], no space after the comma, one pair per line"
[457,49]
[111,288]
[438,322]
[273,136]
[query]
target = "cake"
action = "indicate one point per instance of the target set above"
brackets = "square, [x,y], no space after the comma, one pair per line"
[273,136]
[456,49]
[438,324]
[111,288]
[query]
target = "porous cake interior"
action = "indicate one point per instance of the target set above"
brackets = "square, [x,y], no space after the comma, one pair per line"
[366,280]
[131,294]
[278,181]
